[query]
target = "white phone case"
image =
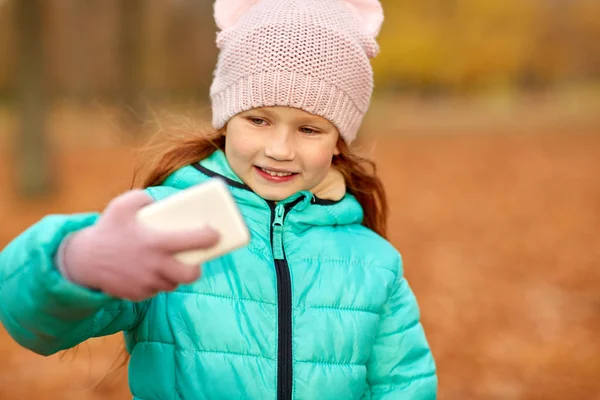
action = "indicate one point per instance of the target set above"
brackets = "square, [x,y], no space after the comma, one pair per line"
[208,204]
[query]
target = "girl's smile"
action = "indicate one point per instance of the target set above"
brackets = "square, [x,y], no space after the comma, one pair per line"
[275,175]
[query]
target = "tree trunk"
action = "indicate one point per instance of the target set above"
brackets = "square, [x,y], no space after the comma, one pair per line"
[134,112]
[33,159]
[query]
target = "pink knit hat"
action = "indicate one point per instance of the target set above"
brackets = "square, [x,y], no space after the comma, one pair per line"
[307,54]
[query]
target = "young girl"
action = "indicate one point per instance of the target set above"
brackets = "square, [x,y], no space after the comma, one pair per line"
[316,306]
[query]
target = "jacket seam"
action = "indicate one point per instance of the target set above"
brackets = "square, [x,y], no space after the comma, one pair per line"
[238,299]
[18,271]
[408,327]
[360,230]
[113,313]
[116,309]
[333,308]
[260,252]
[347,262]
[412,380]
[194,351]
[328,363]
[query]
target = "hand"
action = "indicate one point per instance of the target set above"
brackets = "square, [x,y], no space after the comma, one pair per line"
[125,259]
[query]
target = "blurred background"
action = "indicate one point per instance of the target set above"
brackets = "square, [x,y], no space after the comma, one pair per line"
[485,124]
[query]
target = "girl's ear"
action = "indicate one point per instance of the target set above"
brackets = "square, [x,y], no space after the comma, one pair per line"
[227,12]
[336,150]
[369,13]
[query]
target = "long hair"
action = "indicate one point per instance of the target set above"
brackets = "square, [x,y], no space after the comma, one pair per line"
[170,150]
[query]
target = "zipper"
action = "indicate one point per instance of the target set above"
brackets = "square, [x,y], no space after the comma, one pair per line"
[277,225]
[284,284]
[284,300]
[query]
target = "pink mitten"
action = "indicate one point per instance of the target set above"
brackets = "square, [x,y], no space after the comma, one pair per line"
[124,259]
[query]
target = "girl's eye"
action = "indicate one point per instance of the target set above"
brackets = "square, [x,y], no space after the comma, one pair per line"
[309,131]
[257,121]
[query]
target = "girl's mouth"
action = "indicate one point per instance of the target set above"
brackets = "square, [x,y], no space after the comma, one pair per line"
[275,176]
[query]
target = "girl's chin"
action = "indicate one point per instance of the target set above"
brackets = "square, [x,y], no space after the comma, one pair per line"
[273,193]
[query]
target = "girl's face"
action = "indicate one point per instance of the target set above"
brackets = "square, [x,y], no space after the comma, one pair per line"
[279,151]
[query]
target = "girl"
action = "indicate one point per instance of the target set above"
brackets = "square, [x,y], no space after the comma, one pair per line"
[316,306]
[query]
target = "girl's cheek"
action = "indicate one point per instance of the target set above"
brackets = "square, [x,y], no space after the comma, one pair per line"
[237,147]
[324,159]
[245,145]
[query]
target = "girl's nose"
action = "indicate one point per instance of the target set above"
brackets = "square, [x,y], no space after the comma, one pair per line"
[280,147]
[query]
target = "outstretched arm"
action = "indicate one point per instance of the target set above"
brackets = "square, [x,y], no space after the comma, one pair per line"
[42,310]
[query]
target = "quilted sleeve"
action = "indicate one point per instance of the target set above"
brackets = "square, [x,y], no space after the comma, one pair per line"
[43,311]
[401,365]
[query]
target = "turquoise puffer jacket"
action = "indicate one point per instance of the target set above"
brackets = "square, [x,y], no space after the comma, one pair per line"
[315,307]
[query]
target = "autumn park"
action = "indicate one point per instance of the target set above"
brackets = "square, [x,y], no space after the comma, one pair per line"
[484,124]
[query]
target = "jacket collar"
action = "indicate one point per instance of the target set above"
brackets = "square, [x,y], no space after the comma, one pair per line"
[336,208]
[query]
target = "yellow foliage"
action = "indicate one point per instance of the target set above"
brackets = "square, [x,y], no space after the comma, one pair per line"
[469,44]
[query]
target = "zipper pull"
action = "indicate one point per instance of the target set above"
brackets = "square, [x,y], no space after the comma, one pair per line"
[279,213]
[278,232]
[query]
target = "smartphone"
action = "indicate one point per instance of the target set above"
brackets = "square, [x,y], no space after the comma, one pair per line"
[207,204]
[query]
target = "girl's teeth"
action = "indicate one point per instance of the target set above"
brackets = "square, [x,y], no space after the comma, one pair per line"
[272,173]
